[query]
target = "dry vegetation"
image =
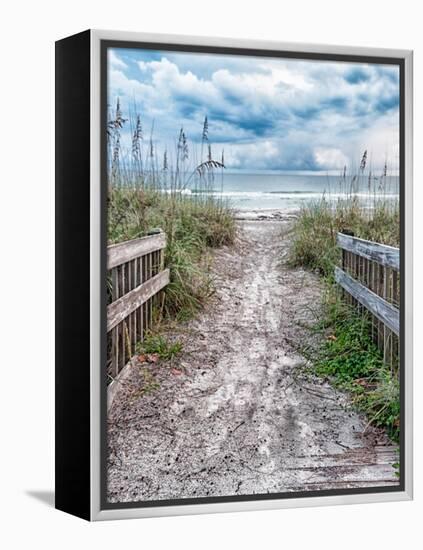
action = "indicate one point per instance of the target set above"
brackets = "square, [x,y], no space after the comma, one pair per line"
[147,190]
[348,356]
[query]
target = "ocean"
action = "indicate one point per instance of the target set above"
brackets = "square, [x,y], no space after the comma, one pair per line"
[246,191]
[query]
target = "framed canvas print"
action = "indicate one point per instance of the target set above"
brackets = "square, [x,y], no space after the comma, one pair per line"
[233,280]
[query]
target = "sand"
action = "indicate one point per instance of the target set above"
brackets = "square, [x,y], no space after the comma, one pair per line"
[237,413]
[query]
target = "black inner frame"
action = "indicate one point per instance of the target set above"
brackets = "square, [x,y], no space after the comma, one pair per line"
[104,45]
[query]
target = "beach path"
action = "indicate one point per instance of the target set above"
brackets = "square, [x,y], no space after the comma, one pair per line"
[236,413]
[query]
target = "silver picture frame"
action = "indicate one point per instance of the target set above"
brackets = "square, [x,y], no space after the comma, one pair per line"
[96,511]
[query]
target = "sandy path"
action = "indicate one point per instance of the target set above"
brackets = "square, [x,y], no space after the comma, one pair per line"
[241,418]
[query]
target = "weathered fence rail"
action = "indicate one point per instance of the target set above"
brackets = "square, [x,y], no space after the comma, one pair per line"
[136,278]
[370,279]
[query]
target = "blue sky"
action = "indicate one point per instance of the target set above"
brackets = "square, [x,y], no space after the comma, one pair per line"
[266,113]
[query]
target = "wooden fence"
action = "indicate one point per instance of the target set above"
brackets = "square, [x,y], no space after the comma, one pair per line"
[135,279]
[370,279]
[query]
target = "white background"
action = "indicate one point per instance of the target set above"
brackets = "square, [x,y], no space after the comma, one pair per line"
[28,32]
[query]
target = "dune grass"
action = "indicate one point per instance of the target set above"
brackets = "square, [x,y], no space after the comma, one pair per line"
[314,235]
[347,355]
[154,185]
[193,227]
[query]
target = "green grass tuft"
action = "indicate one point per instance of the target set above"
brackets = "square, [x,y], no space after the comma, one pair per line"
[350,360]
[158,344]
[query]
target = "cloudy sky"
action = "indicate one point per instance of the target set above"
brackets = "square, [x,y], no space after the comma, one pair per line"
[266,113]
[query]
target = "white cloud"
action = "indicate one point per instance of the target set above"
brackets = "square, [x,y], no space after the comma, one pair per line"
[265,112]
[115,61]
[168,79]
[143,66]
[330,159]
[262,154]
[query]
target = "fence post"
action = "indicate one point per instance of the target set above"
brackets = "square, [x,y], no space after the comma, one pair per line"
[137,277]
[369,278]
